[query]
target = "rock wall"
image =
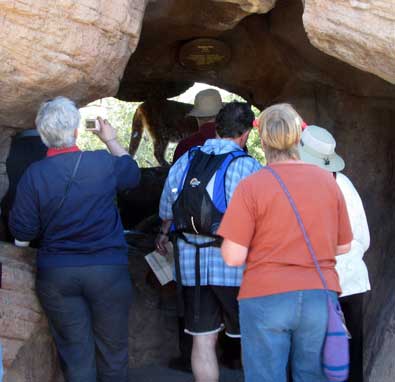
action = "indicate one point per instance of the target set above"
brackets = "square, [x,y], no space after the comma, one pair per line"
[253,6]
[77,49]
[29,353]
[153,330]
[5,142]
[359,32]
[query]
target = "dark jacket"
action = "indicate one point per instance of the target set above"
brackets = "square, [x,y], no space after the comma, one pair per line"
[206,131]
[87,230]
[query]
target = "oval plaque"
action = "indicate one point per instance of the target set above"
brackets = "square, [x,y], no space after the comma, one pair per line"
[204,54]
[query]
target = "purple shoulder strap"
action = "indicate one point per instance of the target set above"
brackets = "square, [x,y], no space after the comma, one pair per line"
[300,222]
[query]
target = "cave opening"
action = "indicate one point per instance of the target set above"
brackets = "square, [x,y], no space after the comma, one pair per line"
[264,58]
[272,60]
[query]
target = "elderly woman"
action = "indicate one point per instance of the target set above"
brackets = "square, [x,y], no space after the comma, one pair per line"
[67,201]
[283,306]
[317,146]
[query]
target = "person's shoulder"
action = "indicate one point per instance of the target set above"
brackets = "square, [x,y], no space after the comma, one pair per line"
[347,188]
[245,163]
[188,141]
[97,154]
[33,169]
[39,165]
[180,163]
[315,172]
[343,180]
[249,159]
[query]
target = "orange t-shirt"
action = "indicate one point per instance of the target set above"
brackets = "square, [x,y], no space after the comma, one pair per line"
[261,218]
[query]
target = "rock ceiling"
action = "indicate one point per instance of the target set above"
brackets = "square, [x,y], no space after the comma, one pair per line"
[81,49]
[269,52]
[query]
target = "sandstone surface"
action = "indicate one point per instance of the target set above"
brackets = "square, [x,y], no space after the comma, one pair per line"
[29,353]
[77,49]
[253,6]
[359,32]
[5,142]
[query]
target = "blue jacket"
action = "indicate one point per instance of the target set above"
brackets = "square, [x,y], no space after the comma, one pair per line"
[87,230]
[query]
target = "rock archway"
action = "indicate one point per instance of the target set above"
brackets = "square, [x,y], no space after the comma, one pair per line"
[333,59]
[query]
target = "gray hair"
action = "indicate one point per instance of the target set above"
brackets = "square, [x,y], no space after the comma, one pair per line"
[56,122]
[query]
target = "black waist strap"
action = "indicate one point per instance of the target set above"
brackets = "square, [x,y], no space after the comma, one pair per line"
[216,242]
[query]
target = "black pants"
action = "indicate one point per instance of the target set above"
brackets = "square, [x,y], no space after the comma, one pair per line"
[353,313]
[87,309]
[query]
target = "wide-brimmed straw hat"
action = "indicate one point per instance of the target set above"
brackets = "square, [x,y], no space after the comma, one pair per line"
[208,103]
[317,146]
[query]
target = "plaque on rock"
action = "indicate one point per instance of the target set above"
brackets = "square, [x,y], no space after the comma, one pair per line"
[204,54]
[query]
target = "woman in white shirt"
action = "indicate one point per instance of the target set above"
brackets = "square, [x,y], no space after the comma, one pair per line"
[317,146]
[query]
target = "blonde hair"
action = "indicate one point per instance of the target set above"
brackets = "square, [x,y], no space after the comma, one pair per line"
[280,128]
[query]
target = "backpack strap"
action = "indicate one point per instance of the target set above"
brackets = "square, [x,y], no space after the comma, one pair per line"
[219,192]
[191,151]
[175,236]
[66,191]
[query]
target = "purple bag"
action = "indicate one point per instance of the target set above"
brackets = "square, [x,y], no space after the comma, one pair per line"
[336,355]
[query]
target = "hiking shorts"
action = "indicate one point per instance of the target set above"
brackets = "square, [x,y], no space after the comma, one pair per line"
[219,309]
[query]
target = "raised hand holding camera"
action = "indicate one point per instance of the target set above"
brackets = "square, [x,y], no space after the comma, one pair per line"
[105,132]
[108,135]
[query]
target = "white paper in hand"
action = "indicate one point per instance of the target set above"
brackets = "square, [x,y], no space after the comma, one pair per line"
[162,266]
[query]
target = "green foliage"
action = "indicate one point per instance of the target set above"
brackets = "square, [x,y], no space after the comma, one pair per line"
[120,114]
[254,146]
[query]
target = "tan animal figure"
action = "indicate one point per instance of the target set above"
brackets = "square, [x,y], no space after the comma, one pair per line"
[166,121]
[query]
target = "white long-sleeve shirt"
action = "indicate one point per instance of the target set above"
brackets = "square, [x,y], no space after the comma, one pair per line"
[352,270]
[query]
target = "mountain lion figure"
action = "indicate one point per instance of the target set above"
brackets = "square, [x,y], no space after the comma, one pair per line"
[166,121]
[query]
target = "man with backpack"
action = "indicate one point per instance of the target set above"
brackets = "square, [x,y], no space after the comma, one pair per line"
[196,193]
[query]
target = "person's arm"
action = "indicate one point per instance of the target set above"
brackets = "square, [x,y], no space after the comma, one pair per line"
[163,237]
[344,235]
[166,214]
[126,170]
[233,254]
[356,214]
[237,227]
[341,249]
